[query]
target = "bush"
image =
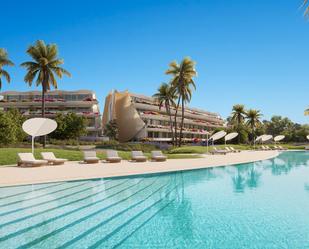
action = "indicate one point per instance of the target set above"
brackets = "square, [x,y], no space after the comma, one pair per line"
[11,127]
[72,142]
[114,145]
[70,126]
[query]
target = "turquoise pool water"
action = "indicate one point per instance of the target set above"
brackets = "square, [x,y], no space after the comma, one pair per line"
[257,205]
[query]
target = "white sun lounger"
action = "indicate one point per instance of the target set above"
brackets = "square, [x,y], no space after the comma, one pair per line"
[90,156]
[158,156]
[112,156]
[138,156]
[216,151]
[232,149]
[51,158]
[27,159]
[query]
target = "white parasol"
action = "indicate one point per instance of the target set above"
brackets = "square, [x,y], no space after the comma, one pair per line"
[36,127]
[279,138]
[266,138]
[218,135]
[230,136]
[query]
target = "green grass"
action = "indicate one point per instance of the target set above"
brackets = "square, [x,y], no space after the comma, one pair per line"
[8,156]
[203,149]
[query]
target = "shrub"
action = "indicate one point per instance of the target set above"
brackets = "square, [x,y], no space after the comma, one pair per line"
[114,145]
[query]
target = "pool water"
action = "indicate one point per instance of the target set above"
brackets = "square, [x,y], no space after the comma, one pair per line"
[257,205]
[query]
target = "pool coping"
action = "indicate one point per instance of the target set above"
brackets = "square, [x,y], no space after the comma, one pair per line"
[75,171]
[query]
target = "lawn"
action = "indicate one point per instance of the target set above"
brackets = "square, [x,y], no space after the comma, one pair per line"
[8,156]
[203,149]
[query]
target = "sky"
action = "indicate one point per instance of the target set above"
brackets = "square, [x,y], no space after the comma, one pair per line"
[247,52]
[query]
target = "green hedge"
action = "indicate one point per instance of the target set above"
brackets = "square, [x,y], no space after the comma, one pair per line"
[114,145]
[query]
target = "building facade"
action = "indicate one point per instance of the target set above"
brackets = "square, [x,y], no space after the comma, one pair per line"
[81,102]
[140,118]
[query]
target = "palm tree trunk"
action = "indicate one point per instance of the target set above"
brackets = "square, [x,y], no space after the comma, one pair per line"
[43,111]
[168,110]
[176,112]
[182,120]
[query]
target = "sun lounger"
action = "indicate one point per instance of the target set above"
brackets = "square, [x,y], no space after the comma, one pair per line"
[112,156]
[281,148]
[138,156]
[50,157]
[268,148]
[157,155]
[27,159]
[263,147]
[90,156]
[228,150]
[216,151]
[232,149]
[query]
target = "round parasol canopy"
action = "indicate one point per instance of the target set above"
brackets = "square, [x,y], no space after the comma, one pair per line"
[266,138]
[230,136]
[218,135]
[39,126]
[279,138]
[259,138]
[36,127]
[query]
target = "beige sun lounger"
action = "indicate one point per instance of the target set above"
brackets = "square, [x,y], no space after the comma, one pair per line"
[268,148]
[158,156]
[228,150]
[90,156]
[263,147]
[50,157]
[232,149]
[281,148]
[112,156]
[216,151]
[138,156]
[27,159]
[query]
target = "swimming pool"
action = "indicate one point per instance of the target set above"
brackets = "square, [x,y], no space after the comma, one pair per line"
[257,205]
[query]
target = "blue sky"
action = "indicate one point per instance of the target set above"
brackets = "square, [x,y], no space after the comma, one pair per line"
[249,52]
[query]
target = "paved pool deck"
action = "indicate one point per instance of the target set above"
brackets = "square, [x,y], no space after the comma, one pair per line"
[12,176]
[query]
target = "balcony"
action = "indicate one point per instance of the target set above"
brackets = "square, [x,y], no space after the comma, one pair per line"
[26,103]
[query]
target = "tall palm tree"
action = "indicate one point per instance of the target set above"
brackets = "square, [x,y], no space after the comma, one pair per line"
[44,67]
[182,81]
[238,117]
[4,61]
[253,120]
[305,5]
[307,112]
[166,96]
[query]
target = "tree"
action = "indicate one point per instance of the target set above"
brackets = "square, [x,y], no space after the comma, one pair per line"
[238,117]
[253,120]
[307,111]
[44,67]
[11,127]
[166,96]
[111,130]
[7,134]
[182,82]
[17,120]
[70,126]
[4,61]
[306,7]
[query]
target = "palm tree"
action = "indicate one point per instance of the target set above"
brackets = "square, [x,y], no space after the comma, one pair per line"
[305,5]
[307,112]
[4,61]
[166,96]
[44,67]
[253,120]
[238,117]
[182,81]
